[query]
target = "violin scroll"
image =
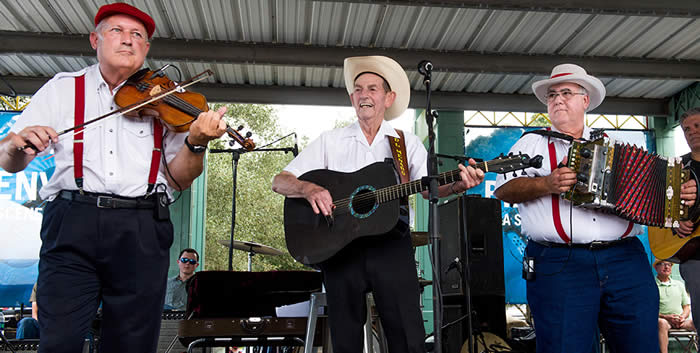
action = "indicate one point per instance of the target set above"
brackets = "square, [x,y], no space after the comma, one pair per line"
[246,141]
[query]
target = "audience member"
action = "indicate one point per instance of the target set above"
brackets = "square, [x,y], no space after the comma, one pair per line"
[176,293]
[674,303]
[28,327]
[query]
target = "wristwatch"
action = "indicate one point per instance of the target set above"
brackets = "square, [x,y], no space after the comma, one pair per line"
[195,148]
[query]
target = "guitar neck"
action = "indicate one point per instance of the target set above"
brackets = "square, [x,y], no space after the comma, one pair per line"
[402,190]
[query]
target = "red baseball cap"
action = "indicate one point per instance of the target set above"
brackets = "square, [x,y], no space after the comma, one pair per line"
[126,9]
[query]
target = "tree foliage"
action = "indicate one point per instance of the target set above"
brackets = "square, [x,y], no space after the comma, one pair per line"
[259,213]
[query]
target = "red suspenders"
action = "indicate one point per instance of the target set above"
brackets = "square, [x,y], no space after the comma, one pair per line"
[555,199]
[78,140]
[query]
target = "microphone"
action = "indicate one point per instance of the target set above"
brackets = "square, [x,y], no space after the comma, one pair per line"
[425,67]
[455,264]
[295,150]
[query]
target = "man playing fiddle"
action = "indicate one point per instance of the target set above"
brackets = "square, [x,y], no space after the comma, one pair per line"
[106,232]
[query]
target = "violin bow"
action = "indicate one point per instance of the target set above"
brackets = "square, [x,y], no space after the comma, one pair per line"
[129,108]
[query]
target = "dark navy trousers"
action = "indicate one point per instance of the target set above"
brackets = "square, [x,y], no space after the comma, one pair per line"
[384,265]
[114,257]
[577,289]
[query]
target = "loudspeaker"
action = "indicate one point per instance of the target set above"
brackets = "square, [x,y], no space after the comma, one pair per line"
[451,247]
[484,239]
[471,226]
[454,335]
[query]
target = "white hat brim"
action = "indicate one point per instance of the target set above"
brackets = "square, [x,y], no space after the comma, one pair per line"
[595,88]
[388,69]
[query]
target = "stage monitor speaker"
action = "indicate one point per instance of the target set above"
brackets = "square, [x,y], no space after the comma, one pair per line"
[484,237]
[473,224]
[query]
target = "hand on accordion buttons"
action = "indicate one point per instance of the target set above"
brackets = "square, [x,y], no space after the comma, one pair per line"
[689,192]
[685,229]
[561,179]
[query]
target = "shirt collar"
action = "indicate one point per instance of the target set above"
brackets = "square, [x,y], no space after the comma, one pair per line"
[355,131]
[585,135]
[667,283]
[93,73]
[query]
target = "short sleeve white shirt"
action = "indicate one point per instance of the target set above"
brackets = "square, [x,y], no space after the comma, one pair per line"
[346,150]
[117,150]
[586,225]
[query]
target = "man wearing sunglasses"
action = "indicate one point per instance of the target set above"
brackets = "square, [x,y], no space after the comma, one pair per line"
[176,293]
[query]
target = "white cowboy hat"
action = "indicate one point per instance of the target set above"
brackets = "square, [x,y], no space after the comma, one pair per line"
[571,73]
[388,69]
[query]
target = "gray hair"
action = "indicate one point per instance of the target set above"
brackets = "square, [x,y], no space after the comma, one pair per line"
[102,26]
[688,113]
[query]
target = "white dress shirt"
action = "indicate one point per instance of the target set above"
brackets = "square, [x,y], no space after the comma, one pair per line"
[117,152]
[537,217]
[346,150]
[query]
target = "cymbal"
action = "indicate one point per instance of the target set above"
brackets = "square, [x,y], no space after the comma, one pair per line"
[419,238]
[249,246]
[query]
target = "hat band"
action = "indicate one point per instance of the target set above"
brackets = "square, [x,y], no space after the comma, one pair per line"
[559,75]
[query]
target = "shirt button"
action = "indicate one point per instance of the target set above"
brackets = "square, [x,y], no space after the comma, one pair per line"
[111,152]
[141,132]
[110,173]
[111,130]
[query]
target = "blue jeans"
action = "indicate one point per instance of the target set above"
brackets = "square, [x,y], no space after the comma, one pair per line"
[577,289]
[27,328]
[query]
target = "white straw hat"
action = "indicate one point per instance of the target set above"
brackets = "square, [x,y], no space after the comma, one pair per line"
[388,69]
[575,74]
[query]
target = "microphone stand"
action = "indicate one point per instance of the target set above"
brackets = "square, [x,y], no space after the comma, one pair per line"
[464,269]
[235,156]
[425,68]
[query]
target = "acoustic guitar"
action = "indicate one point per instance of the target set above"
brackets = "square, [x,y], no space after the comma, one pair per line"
[667,246]
[366,203]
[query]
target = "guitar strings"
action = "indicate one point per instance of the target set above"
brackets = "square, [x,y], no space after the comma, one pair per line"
[395,191]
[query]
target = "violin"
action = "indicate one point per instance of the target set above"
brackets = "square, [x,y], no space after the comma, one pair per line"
[177,110]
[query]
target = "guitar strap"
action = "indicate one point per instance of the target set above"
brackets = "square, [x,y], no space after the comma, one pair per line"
[398,151]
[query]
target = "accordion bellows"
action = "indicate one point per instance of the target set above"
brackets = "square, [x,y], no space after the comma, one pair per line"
[627,181]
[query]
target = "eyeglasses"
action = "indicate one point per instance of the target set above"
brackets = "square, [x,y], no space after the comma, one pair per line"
[185,260]
[566,94]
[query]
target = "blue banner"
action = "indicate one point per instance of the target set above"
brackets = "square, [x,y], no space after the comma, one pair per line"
[20,215]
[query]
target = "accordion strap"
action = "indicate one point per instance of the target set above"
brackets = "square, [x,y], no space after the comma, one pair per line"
[549,133]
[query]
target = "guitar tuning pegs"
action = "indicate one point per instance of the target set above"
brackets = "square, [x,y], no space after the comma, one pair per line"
[248,134]
[523,173]
[501,155]
[515,174]
[240,127]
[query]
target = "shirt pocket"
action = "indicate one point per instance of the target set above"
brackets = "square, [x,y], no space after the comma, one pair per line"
[137,139]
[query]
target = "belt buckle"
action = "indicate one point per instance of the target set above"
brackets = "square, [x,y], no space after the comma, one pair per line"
[596,244]
[105,202]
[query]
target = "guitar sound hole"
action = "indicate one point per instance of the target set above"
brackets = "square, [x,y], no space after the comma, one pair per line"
[363,202]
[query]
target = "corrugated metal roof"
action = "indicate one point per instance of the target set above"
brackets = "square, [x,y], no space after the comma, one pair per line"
[339,24]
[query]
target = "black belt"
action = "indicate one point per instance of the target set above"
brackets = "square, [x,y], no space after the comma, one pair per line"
[594,245]
[107,201]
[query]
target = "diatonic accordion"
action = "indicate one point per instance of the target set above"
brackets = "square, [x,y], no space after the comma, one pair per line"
[627,181]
